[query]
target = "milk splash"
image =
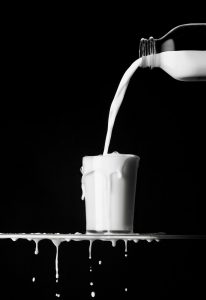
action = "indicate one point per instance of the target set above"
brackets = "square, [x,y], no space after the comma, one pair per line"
[57,243]
[90,249]
[93,294]
[57,239]
[36,246]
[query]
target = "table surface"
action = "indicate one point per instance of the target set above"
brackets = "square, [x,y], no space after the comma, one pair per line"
[104,237]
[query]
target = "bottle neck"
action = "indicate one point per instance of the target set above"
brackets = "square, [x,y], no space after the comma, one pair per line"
[147,51]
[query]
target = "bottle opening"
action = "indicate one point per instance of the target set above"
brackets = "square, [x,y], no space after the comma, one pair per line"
[147,50]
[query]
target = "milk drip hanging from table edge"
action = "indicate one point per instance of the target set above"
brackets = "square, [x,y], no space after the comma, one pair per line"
[181,52]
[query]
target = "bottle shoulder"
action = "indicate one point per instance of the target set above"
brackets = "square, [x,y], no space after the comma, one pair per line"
[184,37]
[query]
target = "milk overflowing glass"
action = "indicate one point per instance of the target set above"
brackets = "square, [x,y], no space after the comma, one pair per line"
[109,184]
[109,180]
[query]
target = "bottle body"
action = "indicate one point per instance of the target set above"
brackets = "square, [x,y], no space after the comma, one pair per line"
[181,53]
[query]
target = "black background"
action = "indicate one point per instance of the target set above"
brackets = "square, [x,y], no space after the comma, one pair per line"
[61,68]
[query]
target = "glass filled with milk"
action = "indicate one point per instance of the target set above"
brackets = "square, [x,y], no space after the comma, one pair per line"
[109,186]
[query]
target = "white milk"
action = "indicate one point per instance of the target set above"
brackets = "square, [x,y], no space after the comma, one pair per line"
[181,65]
[117,101]
[109,184]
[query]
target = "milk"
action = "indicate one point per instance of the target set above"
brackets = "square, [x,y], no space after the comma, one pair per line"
[181,65]
[117,101]
[109,184]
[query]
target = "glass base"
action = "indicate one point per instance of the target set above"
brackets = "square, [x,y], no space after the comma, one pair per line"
[109,231]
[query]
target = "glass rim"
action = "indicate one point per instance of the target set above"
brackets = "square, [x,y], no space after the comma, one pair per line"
[113,155]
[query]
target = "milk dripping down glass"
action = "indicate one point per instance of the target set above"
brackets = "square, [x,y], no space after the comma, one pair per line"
[181,52]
